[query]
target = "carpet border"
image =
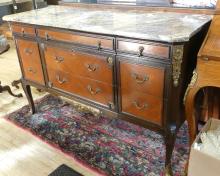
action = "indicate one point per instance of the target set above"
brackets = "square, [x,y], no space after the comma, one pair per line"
[54,146]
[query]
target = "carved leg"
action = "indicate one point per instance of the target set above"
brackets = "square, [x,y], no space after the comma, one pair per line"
[189,99]
[170,141]
[8,89]
[190,116]
[27,91]
[15,83]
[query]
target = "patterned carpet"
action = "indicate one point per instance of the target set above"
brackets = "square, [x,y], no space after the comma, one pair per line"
[112,146]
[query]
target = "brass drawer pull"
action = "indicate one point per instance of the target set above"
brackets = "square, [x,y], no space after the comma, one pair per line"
[141,50]
[31,70]
[89,87]
[110,61]
[205,58]
[59,59]
[47,36]
[137,78]
[28,51]
[99,45]
[136,104]
[59,79]
[22,31]
[91,67]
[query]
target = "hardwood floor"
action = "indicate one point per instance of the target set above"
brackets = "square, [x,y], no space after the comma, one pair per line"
[22,154]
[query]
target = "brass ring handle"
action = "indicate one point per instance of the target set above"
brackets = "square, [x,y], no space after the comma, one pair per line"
[91,67]
[59,59]
[59,79]
[141,50]
[136,104]
[138,80]
[28,51]
[89,87]
[32,70]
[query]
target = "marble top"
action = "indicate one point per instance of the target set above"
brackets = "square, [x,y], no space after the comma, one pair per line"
[158,26]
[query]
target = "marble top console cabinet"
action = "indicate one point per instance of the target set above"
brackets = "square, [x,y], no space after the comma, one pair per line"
[130,65]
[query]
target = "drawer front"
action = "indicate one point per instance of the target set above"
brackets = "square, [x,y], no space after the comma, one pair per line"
[143,106]
[141,78]
[86,88]
[78,63]
[30,59]
[95,41]
[143,49]
[23,30]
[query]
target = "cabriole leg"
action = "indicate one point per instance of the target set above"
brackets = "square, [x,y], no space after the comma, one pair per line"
[190,116]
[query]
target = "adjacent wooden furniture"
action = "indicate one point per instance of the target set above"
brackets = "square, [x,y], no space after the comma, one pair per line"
[7,8]
[207,72]
[4,46]
[8,89]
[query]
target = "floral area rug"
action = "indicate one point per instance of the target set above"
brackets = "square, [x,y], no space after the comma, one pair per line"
[112,146]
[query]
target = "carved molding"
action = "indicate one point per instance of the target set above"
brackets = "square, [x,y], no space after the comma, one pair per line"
[177,63]
[193,79]
[191,84]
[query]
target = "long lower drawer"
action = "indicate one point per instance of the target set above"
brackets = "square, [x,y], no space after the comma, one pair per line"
[96,91]
[92,66]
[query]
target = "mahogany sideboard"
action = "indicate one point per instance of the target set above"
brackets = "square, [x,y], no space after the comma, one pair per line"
[141,79]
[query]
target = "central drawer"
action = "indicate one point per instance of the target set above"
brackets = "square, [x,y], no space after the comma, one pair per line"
[95,41]
[96,91]
[77,63]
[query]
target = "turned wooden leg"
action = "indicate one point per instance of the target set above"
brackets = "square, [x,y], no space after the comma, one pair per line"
[190,116]
[27,91]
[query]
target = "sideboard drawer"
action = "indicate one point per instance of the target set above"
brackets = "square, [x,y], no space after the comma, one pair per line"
[142,78]
[85,88]
[95,41]
[143,48]
[23,30]
[77,63]
[143,106]
[30,59]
